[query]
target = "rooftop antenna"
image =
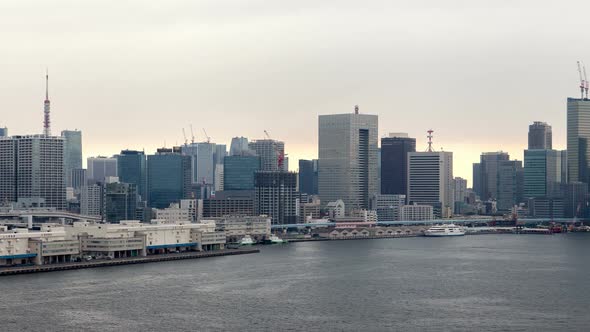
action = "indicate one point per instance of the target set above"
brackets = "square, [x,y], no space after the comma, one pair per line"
[585,79]
[46,107]
[356,109]
[430,131]
[582,82]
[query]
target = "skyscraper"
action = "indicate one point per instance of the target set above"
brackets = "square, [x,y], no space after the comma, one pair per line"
[72,153]
[489,168]
[269,151]
[460,190]
[540,136]
[347,164]
[578,134]
[510,184]
[542,173]
[308,176]
[394,163]
[131,168]
[238,172]
[169,178]
[99,168]
[32,171]
[430,181]
[239,147]
[3,132]
[120,201]
[202,160]
[276,196]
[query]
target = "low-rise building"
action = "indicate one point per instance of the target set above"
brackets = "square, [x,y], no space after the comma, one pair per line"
[236,227]
[416,212]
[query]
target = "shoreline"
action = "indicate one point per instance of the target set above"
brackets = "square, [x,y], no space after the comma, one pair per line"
[6,271]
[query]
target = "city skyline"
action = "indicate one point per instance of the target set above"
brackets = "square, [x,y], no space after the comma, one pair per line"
[181,68]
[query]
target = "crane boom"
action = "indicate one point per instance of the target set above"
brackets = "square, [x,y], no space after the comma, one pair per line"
[184,135]
[192,135]
[585,79]
[207,136]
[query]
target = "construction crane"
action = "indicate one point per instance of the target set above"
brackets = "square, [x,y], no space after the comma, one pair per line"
[192,135]
[280,154]
[582,82]
[184,135]
[585,79]
[207,136]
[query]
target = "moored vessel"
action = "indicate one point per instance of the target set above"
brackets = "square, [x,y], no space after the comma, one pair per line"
[445,230]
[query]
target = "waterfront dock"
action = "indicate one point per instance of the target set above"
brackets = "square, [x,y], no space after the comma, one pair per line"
[123,261]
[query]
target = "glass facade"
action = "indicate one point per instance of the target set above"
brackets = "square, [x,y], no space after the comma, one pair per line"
[169,179]
[131,168]
[238,172]
[308,176]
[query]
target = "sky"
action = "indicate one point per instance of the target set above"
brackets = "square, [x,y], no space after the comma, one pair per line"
[132,74]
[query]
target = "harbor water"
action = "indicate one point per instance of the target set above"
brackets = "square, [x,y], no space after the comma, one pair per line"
[470,283]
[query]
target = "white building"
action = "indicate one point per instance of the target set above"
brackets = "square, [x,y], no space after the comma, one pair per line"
[236,227]
[416,212]
[348,158]
[219,177]
[336,209]
[91,199]
[430,181]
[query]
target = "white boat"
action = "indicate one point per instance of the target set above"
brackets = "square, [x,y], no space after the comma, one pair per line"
[445,230]
[276,240]
[246,241]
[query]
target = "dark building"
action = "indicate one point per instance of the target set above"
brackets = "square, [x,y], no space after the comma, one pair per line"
[238,172]
[229,203]
[131,168]
[276,196]
[540,136]
[308,176]
[394,163]
[169,178]
[477,186]
[575,200]
[120,202]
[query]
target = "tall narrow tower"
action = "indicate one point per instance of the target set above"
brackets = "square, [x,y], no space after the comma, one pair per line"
[46,120]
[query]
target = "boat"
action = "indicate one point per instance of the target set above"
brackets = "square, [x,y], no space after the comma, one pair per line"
[247,241]
[273,239]
[445,230]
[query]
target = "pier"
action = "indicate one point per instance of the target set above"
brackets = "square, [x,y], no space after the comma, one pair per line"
[122,261]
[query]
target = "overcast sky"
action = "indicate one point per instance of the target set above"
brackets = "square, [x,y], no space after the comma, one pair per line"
[132,74]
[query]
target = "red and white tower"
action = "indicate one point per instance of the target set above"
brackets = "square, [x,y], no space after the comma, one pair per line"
[430,131]
[46,108]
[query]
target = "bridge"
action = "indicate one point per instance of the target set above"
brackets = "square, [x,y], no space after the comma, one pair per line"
[51,214]
[481,221]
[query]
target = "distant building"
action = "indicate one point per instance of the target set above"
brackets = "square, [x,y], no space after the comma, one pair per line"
[202,156]
[388,206]
[500,179]
[132,168]
[576,200]
[578,135]
[347,164]
[416,212]
[430,181]
[229,203]
[460,190]
[32,171]
[309,210]
[239,147]
[540,136]
[269,151]
[308,176]
[218,180]
[120,202]
[238,172]
[169,178]
[72,153]
[99,168]
[336,209]
[4,132]
[542,173]
[276,196]
[91,200]
[394,163]
[79,178]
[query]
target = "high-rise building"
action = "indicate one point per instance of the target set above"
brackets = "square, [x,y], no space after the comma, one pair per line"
[578,135]
[542,173]
[394,163]
[219,177]
[239,147]
[308,176]
[72,153]
[99,168]
[79,179]
[269,151]
[132,168]
[347,164]
[489,168]
[219,154]
[540,136]
[238,172]
[430,181]
[169,178]
[460,190]
[202,160]
[91,198]
[3,132]
[120,201]
[510,186]
[576,200]
[32,171]
[276,196]
[477,181]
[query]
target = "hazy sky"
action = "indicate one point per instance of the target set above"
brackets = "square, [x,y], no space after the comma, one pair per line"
[132,74]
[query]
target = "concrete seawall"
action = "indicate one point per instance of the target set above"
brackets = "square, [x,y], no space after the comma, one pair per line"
[123,261]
